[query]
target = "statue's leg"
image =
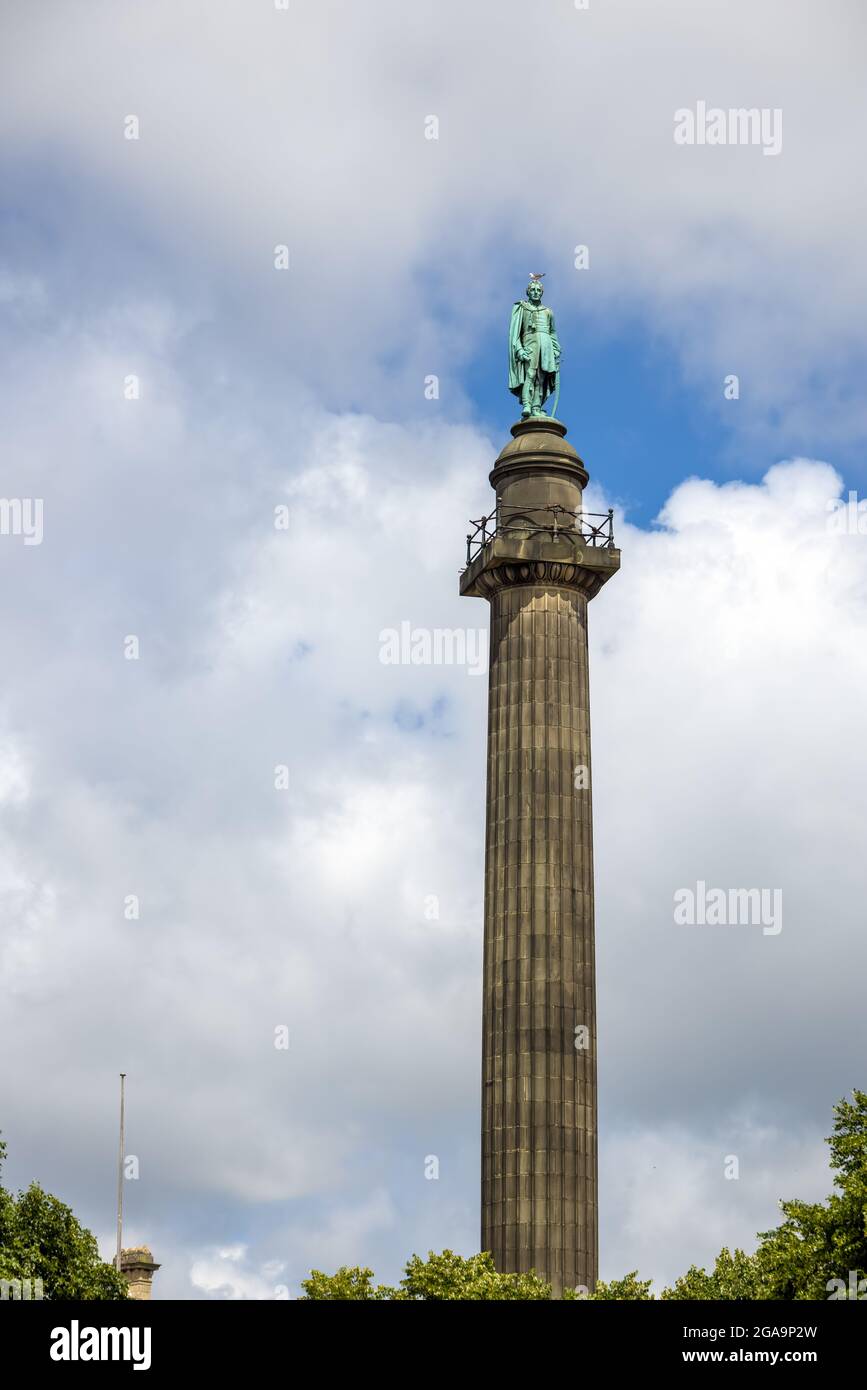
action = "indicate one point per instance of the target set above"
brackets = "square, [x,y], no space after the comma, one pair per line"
[529,395]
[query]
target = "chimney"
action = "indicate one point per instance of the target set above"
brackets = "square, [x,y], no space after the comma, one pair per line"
[137,1264]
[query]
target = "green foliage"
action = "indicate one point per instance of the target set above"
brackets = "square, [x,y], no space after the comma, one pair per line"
[40,1238]
[448,1276]
[819,1242]
[629,1287]
[816,1243]
[734,1278]
[436,1279]
[346,1284]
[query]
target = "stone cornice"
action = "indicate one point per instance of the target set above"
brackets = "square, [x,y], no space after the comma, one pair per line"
[541,560]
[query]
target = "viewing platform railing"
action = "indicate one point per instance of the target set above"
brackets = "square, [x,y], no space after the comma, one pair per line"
[593,528]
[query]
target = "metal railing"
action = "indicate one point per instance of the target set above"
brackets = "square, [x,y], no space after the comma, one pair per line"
[592,528]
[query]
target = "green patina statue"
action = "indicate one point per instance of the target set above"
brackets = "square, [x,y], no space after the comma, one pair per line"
[534,352]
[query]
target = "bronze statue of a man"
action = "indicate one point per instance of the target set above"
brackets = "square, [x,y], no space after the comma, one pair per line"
[534,351]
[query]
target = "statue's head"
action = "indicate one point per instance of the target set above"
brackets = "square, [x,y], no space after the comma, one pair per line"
[535,291]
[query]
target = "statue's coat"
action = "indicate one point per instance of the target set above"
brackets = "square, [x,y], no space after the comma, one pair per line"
[549,349]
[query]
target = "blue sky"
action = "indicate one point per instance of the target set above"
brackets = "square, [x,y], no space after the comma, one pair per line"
[727,658]
[637,426]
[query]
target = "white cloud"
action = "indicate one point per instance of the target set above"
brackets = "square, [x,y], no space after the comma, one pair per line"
[222,1274]
[261,127]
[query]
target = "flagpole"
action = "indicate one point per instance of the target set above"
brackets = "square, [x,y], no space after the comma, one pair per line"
[120,1178]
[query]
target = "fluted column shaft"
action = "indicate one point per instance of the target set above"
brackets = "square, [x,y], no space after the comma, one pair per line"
[539,1165]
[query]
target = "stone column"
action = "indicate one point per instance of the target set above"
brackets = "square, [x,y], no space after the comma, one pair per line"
[539,1165]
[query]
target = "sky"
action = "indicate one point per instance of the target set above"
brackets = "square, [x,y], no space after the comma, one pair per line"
[221,814]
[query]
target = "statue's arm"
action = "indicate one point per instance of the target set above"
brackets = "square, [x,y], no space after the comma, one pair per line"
[554,339]
[516,347]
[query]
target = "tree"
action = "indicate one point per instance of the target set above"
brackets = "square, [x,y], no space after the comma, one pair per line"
[822,1242]
[40,1238]
[817,1243]
[819,1251]
[734,1278]
[436,1279]
[449,1276]
[629,1287]
[346,1284]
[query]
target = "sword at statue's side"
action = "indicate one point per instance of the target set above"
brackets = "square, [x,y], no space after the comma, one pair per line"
[556,394]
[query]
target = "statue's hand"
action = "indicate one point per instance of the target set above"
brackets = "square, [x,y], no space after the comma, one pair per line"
[523,355]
